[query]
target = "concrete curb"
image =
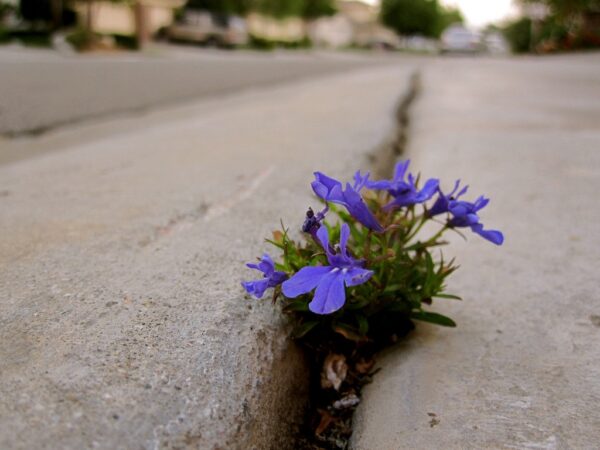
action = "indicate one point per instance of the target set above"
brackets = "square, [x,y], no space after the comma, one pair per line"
[123,324]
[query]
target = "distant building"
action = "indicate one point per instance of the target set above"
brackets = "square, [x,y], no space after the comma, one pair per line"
[355,24]
[120,18]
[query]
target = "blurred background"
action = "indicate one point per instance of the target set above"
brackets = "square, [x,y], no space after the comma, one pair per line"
[412,25]
[52,51]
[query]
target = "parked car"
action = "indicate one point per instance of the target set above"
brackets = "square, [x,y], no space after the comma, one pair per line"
[457,38]
[203,27]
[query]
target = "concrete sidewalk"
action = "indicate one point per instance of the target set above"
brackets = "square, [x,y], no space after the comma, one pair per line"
[123,324]
[522,370]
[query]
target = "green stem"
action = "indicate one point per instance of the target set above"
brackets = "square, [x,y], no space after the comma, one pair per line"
[429,241]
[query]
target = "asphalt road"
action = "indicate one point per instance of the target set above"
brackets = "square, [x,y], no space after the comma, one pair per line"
[41,90]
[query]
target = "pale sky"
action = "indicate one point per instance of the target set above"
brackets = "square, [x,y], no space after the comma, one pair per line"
[479,12]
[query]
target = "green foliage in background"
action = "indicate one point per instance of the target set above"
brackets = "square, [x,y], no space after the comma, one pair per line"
[275,8]
[570,24]
[422,17]
[518,34]
[236,7]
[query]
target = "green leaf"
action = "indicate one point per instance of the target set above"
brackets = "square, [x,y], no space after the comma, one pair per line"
[296,305]
[361,303]
[432,317]
[304,328]
[450,296]
[393,288]
[276,244]
[363,324]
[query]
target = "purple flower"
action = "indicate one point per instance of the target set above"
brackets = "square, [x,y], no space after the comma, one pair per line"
[405,192]
[271,278]
[331,190]
[442,203]
[464,214]
[329,281]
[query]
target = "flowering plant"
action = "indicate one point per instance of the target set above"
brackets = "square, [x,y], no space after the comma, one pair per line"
[354,286]
[356,276]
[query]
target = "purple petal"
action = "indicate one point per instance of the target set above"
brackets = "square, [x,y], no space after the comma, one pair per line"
[494,236]
[428,190]
[440,206]
[360,181]
[256,288]
[305,280]
[462,191]
[480,203]
[324,185]
[323,236]
[359,209]
[266,265]
[344,235]
[379,185]
[400,170]
[356,276]
[330,294]
[277,278]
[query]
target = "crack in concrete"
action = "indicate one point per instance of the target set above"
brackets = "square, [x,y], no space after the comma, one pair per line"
[208,212]
[383,158]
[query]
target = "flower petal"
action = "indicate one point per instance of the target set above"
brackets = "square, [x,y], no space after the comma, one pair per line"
[440,206]
[359,210]
[267,266]
[494,236]
[256,288]
[400,170]
[305,280]
[323,185]
[428,190]
[356,276]
[379,185]
[323,236]
[344,235]
[360,181]
[330,294]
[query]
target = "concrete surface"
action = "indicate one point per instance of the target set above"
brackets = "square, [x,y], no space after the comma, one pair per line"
[40,90]
[522,370]
[122,321]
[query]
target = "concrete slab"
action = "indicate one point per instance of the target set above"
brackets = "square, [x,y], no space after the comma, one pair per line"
[522,369]
[122,321]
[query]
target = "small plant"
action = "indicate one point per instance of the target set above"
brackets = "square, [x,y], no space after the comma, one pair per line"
[356,285]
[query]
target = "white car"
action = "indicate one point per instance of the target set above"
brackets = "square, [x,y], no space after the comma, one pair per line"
[204,27]
[457,38]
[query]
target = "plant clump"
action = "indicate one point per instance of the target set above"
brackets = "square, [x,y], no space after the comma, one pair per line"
[357,284]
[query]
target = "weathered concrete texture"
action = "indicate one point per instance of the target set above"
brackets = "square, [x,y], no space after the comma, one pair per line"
[522,369]
[122,321]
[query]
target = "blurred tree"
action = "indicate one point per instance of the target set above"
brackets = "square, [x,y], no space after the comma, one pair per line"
[518,34]
[449,16]
[411,16]
[567,8]
[237,7]
[276,8]
[318,8]
[568,24]
[280,8]
[424,17]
